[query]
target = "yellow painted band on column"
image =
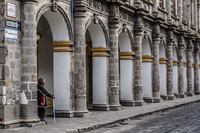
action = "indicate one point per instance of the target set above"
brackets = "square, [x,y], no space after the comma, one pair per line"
[61,46]
[147,58]
[175,62]
[193,64]
[184,64]
[126,55]
[100,52]
[162,60]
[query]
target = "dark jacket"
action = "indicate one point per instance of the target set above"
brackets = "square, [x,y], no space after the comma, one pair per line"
[41,96]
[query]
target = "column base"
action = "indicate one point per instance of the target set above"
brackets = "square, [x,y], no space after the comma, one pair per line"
[157,100]
[148,99]
[164,97]
[115,107]
[176,95]
[67,114]
[182,95]
[127,103]
[197,93]
[171,97]
[140,103]
[101,107]
[190,94]
[28,122]
[81,113]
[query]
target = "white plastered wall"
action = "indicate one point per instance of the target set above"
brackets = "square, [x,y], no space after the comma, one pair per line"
[45,54]
[126,70]
[146,70]
[61,62]
[99,66]
[163,71]
[46,62]
[175,72]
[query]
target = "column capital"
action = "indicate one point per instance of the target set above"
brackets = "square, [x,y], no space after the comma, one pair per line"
[156,32]
[181,42]
[170,36]
[190,45]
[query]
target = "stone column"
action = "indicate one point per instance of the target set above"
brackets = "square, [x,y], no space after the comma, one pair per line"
[189,68]
[156,73]
[196,18]
[188,18]
[168,7]
[170,93]
[198,22]
[175,2]
[80,61]
[180,67]
[29,59]
[180,8]
[196,69]
[138,90]
[114,67]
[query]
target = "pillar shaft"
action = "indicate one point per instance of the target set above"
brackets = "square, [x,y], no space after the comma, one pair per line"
[180,71]
[156,73]
[170,93]
[189,69]
[80,64]
[114,68]
[29,59]
[138,89]
[196,69]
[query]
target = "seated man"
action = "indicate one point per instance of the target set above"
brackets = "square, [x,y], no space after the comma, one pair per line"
[41,99]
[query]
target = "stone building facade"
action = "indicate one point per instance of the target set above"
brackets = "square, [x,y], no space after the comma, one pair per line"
[99,54]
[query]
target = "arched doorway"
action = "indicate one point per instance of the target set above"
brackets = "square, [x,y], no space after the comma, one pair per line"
[192,61]
[163,70]
[97,69]
[175,71]
[54,62]
[146,70]
[126,70]
[185,71]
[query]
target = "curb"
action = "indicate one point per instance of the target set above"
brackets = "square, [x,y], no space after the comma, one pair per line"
[130,118]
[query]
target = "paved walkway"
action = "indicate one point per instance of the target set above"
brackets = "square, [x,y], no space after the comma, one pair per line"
[97,119]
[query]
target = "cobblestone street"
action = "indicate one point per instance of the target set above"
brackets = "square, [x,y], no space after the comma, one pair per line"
[167,117]
[185,119]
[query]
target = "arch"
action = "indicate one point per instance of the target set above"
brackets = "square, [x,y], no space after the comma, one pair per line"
[146,45]
[60,56]
[97,36]
[126,70]
[175,55]
[163,69]
[129,34]
[185,70]
[147,68]
[175,70]
[101,26]
[162,50]
[146,49]
[96,64]
[124,42]
[60,15]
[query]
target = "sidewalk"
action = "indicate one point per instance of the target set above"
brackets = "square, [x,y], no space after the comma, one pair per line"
[97,119]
